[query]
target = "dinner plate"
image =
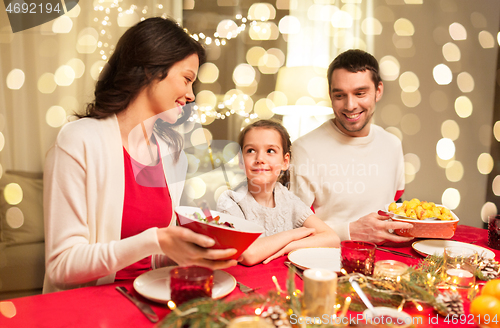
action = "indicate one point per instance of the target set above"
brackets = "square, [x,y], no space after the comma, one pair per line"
[436,246]
[316,257]
[155,284]
[387,317]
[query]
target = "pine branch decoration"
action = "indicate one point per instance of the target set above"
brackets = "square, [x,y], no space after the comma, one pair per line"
[293,294]
[380,292]
[421,287]
[211,313]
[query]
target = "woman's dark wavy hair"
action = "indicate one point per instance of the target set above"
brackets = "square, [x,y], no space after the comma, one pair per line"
[286,144]
[144,54]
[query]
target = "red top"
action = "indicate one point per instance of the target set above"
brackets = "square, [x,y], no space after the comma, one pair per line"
[147,204]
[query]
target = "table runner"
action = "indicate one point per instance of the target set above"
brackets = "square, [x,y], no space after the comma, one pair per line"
[102,306]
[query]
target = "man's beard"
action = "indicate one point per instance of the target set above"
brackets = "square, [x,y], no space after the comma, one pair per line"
[356,130]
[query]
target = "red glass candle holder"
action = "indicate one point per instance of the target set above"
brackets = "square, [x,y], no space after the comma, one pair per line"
[357,256]
[187,283]
[494,232]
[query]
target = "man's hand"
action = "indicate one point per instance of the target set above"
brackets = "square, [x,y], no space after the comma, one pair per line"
[375,228]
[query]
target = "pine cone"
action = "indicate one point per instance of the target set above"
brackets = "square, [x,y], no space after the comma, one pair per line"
[453,302]
[277,316]
[489,268]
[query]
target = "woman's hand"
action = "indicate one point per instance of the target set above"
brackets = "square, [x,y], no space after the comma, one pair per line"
[186,247]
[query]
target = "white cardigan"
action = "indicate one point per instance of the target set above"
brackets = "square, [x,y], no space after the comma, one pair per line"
[84,188]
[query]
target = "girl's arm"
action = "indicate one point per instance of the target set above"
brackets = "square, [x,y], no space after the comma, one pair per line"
[265,247]
[324,237]
[270,247]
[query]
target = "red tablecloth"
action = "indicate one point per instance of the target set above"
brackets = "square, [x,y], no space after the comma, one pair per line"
[104,307]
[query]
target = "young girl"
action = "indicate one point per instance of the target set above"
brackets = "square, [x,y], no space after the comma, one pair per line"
[289,223]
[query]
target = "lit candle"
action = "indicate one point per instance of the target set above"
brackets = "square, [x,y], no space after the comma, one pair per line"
[460,277]
[391,269]
[320,292]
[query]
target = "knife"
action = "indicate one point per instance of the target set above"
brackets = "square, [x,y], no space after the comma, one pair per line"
[145,308]
[396,252]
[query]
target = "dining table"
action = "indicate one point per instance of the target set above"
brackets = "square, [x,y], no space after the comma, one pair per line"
[103,307]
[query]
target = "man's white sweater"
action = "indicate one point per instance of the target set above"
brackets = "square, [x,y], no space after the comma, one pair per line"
[345,178]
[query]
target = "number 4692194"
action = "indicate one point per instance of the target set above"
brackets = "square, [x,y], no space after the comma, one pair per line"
[32,8]
[469,319]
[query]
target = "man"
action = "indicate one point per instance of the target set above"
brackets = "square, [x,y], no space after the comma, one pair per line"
[348,168]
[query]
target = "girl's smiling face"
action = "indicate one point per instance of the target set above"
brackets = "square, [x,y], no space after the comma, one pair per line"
[263,156]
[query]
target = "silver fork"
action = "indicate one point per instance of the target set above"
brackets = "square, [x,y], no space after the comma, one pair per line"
[245,289]
[143,307]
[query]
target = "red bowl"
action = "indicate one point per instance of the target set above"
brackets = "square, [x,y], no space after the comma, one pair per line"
[439,229]
[240,237]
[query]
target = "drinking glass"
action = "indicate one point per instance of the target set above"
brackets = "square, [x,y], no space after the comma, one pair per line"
[357,256]
[391,270]
[459,266]
[190,282]
[494,232]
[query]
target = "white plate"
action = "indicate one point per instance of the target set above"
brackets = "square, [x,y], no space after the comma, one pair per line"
[436,246]
[316,257]
[435,221]
[398,319]
[155,284]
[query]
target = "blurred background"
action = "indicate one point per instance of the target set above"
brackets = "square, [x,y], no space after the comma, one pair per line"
[439,62]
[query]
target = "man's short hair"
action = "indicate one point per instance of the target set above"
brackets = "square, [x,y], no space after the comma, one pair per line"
[354,61]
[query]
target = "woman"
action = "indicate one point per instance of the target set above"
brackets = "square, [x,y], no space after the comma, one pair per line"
[116,174]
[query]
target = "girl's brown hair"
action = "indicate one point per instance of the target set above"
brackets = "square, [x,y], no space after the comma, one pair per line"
[286,144]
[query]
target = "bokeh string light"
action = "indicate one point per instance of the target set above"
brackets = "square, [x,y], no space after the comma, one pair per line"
[259,26]
[455,81]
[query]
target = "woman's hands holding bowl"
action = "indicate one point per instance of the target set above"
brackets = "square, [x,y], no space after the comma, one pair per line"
[186,247]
